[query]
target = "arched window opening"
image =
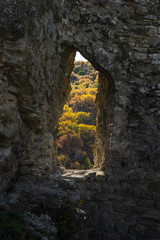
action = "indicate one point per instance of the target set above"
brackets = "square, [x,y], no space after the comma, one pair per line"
[76,130]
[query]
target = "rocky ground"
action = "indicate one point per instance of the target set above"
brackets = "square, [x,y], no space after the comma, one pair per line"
[57,207]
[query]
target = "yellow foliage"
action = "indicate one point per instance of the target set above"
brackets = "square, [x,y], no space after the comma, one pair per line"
[76,129]
[67,109]
[83,128]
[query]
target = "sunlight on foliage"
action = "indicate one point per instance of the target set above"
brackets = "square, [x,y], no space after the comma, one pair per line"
[76,129]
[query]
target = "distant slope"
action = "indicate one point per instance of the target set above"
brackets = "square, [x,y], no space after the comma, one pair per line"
[76,129]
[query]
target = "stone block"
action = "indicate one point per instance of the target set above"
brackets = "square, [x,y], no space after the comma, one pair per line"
[140,49]
[155,58]
[121,227]
[137,229]
[158,204]
[99,196]
[142,2]
[139,210]
[107,225]
[142,195]
[124,192]
[151,17]
[153,1]
[9,131]
[130,219]
[146,203]
[129,9]
[121,208]
[156,196]
[141,10]
[25,170]
[151,176]
[95,187]
[140,56]
[146,221]
[85,195]
[73,196]
[155,186]
[109,236]
[4,154]
[100,176]
[27,163]
[115,198]
[105,208]
[153,235]
[152,31]
[128,236]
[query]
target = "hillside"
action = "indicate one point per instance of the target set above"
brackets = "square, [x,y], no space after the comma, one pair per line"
[77,126]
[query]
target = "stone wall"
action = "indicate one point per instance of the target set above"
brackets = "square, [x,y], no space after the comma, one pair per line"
[38,41]
[33,86]
[121,40]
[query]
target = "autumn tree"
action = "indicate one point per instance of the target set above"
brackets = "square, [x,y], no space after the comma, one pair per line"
[76,128]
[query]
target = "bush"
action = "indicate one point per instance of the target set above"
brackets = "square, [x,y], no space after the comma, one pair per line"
[76,130]
[81,73]
[12,226]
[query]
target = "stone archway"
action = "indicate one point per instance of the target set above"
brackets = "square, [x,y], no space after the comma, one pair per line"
[105,110]
[35,55]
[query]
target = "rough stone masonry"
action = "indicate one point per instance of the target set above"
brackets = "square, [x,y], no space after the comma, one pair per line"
[121,38]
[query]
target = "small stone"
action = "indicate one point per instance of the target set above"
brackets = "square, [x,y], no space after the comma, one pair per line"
[142,2]
[152,31]
[141,10]
[140,56]
[153,234]
[156,196]
[153,1]
[158,205]
[122,227]
[155,58]
[136,229]
[4,207]
[155,186]
[151,17]
[146,221]
[27,162]
[152,176]
[100,176]
[24,170]
[13,198]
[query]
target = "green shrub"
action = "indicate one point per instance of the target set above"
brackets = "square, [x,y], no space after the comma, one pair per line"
[88,163]
[81,73]
[11,226]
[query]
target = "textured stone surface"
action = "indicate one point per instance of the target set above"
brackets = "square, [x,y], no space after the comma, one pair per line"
[38,44]
[38,41]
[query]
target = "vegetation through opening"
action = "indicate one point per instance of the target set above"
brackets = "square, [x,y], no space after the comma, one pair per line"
[76,129]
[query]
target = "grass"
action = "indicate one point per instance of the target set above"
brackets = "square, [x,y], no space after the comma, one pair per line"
[12,226]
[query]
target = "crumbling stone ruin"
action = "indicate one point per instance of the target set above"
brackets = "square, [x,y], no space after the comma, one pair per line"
[120,196]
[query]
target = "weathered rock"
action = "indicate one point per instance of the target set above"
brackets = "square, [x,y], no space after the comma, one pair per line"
[38,42]
[40,227]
